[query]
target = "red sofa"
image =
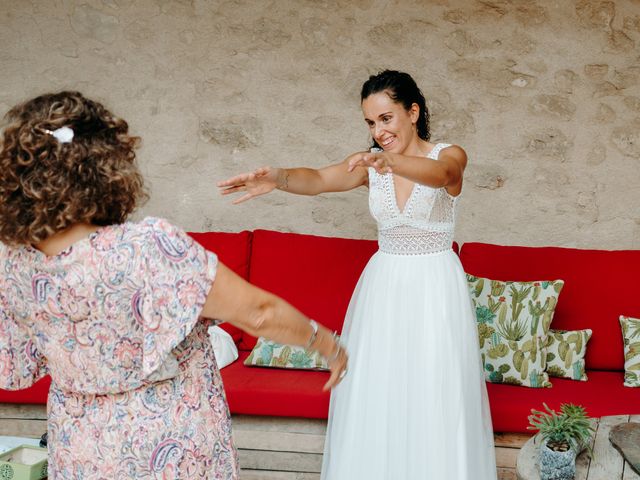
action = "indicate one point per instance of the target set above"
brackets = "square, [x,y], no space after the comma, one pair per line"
[318,274]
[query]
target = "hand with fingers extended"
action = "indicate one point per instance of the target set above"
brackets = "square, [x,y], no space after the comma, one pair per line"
[260,181]
[381,161]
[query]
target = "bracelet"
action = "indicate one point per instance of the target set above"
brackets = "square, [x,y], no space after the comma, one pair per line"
[334,356]
[314,334]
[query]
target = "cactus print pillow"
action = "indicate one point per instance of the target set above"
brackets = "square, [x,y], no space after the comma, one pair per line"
[565,353]
[271,354]
[631,337]
[513,320]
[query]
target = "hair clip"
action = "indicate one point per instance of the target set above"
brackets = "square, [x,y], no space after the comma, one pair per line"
[62,134]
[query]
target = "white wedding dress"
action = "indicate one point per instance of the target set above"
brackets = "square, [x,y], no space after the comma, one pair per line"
[413,405]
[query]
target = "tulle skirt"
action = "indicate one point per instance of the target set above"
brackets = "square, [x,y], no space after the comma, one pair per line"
[414,403]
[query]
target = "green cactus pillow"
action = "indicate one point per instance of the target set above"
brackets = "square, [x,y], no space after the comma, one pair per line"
[513,320]
[271,354]
[565,353]
[631,337]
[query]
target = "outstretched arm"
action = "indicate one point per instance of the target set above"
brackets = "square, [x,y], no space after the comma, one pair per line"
[446,172]
[261,313]
[302,181]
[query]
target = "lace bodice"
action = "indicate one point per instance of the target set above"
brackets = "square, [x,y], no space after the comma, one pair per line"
[425,225]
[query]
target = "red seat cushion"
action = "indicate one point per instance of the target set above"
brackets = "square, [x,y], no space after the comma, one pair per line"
[234,250]
[603,394]
[37,393]
[600,286]
[317,275]
[274,391]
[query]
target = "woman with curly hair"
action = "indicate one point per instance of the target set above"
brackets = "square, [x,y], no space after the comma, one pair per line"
[116,311]
[414,405]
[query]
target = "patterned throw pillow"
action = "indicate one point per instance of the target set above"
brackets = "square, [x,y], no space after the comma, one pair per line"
[631,337]
[271,354]
[513,321]
[565,353]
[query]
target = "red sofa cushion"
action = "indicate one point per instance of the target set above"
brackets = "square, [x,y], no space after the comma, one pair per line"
[600,286]
[275,391]
[603,394]
[234,250]
[37,393]
[317,275]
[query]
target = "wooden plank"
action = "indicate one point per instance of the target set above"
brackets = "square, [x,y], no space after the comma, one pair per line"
[280,461]
[22,428]
[506,474]
[506,457]
[280,424]
[513,440]
[584,460]
[607,463]
[263,475]
[26,411]
[278,441]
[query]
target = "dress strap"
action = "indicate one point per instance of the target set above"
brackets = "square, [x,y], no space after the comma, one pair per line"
[435,151]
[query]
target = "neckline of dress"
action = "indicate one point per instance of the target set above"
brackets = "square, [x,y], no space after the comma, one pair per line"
[65,252]
[403,210]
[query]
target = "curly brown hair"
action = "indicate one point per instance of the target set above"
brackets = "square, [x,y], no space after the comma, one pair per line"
[47,186]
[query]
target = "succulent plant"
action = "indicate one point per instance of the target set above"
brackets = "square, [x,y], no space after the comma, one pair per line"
[571,428]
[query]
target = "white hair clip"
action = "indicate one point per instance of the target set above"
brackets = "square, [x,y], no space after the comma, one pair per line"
[62,134]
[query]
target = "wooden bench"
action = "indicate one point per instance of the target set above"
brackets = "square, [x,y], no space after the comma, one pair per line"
[270,448]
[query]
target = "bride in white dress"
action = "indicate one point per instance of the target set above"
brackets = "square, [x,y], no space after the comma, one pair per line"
[414,404]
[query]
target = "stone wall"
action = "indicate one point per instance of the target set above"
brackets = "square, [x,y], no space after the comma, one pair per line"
[544,96]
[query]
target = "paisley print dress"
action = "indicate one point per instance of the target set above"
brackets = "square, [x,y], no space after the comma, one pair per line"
[115,321]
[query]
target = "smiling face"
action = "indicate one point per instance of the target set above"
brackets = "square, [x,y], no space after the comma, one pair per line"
[391,125]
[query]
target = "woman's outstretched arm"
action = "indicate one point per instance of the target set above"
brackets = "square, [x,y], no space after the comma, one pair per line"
[262,314]
[301,181]
[446,172]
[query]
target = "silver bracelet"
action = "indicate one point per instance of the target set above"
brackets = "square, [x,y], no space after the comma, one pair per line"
[314,334]
[334,356]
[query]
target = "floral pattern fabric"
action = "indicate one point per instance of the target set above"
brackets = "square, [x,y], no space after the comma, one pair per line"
[631,337]
[114,319]
[271,354]
[513,320]
[565,353]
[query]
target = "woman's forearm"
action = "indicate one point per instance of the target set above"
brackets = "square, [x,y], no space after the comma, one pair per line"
[279,321]
[301,181]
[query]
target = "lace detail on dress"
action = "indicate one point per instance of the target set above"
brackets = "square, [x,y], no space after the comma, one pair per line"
[426,224]
[413,241]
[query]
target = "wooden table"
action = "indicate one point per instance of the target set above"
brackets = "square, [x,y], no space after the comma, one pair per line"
[607,463]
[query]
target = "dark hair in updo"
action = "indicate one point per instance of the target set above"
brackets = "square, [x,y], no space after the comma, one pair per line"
[401,88]
[47,186]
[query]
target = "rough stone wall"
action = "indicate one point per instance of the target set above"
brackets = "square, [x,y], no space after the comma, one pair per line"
[543,95]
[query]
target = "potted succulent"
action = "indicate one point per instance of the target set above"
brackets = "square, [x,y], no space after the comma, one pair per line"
[564,435]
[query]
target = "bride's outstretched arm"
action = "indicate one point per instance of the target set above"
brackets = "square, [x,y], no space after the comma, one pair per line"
[445,172]
[302,181]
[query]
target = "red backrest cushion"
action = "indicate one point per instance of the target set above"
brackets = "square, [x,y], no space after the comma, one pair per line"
[600,285]
[317,275]
[234,250]
[37,393]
